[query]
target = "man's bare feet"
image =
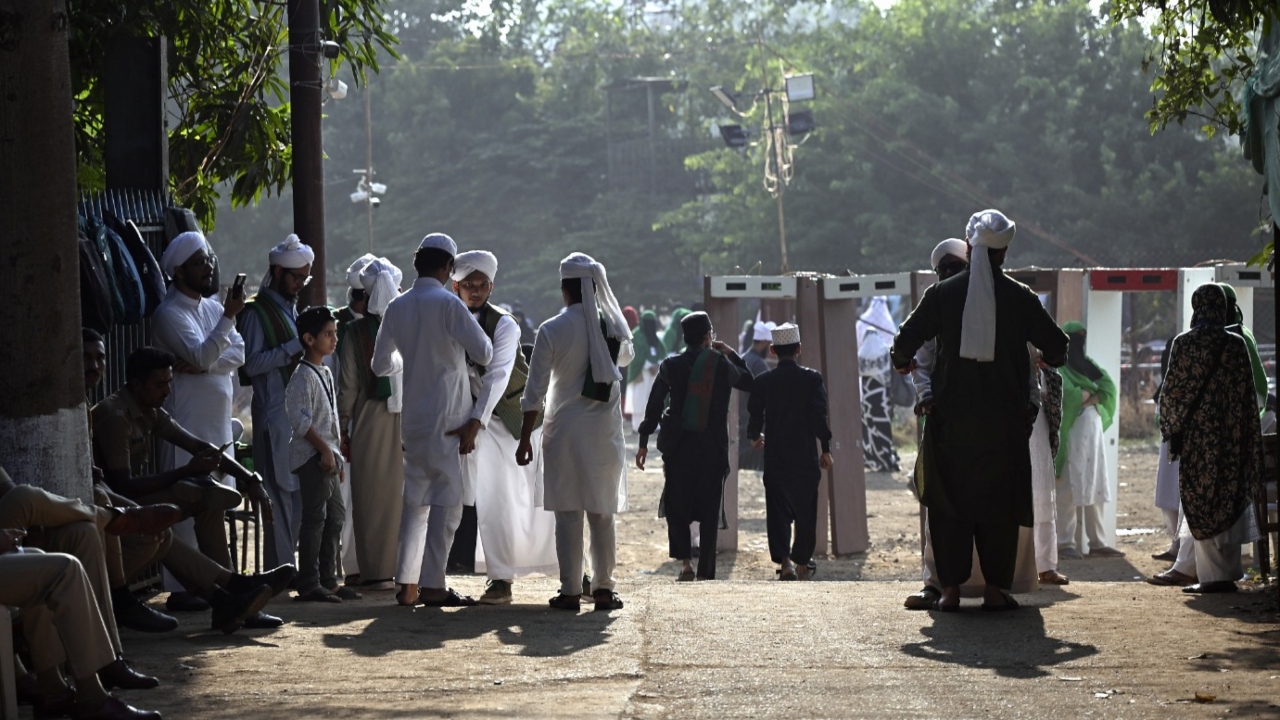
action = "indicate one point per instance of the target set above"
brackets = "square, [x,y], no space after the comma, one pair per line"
[408,595]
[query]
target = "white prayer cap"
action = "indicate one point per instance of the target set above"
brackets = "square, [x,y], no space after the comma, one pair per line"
[473,260]
[439,241]
[986,229]
[180,249]
[597,302]
[786,334]
[950,246]
[291,254]
[381,280]
[353,272]
[762,331]
[990,229]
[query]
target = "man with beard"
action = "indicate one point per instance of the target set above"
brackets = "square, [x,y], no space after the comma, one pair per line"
[272,351]
[517,537]
[200,332]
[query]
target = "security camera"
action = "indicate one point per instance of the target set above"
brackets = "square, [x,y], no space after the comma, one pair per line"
[330,49]
[336,88]
[375,201]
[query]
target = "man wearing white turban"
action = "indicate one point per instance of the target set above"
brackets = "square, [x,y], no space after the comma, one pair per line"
[272,351]
[369,414]
[516,536]
[200,332]
[428,333]
[574,369]
[974,471]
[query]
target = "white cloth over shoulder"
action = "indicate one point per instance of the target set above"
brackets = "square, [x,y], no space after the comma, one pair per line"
[427,333]
[584,455]
[381,279]
[987,230]
[599,302]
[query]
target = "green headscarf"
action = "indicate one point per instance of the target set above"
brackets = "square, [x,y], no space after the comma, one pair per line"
[648,346]
[1255,360]
[673,338]
[1081,374]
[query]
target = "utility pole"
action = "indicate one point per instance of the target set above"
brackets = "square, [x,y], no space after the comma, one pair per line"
[368,155]
[44,431]
[774,153]
[306,94]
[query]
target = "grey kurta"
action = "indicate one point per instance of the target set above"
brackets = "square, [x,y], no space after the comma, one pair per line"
[975,452]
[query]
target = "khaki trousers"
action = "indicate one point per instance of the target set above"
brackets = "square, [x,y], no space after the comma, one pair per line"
[129,555]
[207,501]
[58,603]
[63,525]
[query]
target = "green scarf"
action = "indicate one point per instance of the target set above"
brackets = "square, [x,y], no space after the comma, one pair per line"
[640,343]
[1073,385]
[697,400]
[673,337]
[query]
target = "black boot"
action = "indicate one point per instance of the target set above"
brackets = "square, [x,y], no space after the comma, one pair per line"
[230,611]
[134,614]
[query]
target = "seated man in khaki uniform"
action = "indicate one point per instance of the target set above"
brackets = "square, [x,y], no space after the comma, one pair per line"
[125,425]
[57,598]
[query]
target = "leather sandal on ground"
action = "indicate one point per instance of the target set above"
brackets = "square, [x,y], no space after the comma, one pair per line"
[685,576]
[450,599]
[789,574]
[1008,604]
[566,602]
[1053,577]
[1217,586]
[606,599]
[318,595]
[347,593]
[1171,577]
[923,600]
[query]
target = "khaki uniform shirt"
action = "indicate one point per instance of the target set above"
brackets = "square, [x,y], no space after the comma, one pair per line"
[123,429]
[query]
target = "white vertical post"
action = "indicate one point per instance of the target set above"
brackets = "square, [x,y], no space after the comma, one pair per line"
[1103,323]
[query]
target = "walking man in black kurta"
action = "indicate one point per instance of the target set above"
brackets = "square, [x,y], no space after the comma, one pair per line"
[789,403]
[976,460]
[695,438]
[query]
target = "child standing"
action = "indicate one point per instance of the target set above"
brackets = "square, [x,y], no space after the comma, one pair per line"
[790,401]
[314,456]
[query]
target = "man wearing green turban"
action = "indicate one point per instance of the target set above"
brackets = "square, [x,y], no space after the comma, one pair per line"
[650,352]
[1088,409]
[673,338]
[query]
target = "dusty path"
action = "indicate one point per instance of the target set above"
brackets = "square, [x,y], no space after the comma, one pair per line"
[750,647]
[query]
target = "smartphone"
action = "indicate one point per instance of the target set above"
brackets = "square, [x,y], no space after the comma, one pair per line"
[223,449]
[237,288]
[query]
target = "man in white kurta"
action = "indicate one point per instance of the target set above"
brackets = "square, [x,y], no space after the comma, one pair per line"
[516,535]
[200,332]
[428,333]
[357,303]
[583,449]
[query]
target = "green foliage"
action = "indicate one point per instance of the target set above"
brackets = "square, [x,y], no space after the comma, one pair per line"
[227,86]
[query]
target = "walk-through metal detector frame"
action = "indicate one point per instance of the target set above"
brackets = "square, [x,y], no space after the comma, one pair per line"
[827,316]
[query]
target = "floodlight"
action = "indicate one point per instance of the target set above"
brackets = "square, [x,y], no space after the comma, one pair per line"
[725,97]
[359,196]
[799,87]
[336,88]
[799,123]
[378,188]
[734,135]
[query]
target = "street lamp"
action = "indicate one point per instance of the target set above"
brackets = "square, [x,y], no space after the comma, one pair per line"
[367,192]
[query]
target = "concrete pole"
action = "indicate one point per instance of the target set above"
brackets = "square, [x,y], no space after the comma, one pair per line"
[44,433]
[306,92]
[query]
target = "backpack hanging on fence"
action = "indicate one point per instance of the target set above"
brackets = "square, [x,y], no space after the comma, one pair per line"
[144,262]
[128,297]
[95,290]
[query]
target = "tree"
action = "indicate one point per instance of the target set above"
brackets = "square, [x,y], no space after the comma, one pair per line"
[44,434]
[225,84]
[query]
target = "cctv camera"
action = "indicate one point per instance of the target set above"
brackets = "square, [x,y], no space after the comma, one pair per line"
[375,201]
[330,49]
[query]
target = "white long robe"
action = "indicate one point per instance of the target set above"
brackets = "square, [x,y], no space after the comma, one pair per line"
[427,333]
[1086,466]
[1043,503]
[516,536]
[584,454]
[1167,497]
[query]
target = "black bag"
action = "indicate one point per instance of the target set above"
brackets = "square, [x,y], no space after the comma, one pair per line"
[96,310]
[144,262]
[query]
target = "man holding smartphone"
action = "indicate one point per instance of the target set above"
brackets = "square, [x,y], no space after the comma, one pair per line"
[200,332]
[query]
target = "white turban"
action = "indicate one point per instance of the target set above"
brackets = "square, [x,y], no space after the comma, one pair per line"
[381,280]
[762,331]
[180,249]
[594,304]
[988,229]
[469,262]
[950,246]
[439,241]
[353,272]
[291,254]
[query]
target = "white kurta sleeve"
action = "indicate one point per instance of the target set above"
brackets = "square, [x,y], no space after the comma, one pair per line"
[180,333]
[535,390]
[626,353]
[386,356]
[922,377]
[232,357]
[506,343]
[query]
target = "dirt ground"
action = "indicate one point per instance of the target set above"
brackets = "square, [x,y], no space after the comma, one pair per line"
[1107,645]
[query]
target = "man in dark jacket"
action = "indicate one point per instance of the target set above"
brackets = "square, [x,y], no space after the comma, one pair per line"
[790,404]
[695,438]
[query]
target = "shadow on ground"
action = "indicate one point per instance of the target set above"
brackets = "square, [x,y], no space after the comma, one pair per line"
[975,639]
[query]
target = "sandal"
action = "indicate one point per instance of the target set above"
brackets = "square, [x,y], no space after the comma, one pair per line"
[347,593]
[1172,577]
[318,595]
[566,602]
[1008,604]
[685,576]
[607,599]
[949,608]
[450,599]
[1053,577]
[926,599]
